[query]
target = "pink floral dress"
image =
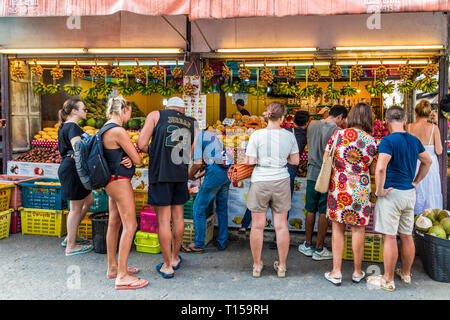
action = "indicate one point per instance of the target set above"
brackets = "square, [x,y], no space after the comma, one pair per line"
[349,193]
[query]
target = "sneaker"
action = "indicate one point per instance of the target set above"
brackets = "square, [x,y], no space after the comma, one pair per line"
[306,249]
[323,254]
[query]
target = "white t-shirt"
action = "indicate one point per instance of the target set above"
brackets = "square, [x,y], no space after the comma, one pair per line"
[271,148]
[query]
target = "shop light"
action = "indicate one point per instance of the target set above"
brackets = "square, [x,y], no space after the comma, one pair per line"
[134,50]
[390,48]
[69,63]
[43,51]
[373,62]
[259,50]
[283,64]
[150,63]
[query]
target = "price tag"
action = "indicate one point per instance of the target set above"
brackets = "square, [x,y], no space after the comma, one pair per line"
[228,121]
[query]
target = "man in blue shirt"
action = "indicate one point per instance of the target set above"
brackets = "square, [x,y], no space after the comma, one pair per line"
[395,179]
[215,186]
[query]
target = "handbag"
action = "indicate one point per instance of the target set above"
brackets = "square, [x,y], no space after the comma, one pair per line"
[323,180]
[238,172]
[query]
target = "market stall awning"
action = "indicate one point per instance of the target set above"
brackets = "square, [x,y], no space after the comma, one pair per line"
[215,9]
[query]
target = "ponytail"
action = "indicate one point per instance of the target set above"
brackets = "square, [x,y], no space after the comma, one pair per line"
[66,110]
[115,106]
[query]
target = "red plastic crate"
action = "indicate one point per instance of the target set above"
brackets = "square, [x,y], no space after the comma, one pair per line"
[16,225]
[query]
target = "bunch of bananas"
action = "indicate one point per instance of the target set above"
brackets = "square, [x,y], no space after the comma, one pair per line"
[306,92]
[430,70]
[314,74]
[157,72]
[18,72]
[288,72]
[266,75]
[357,72]
[231,88]
[427,85]
[139,72]
[382,73]
[72,90]
[348,91]
[77,72]
[53,89]
[207,72]
[57,73]
[117,73]
[148,89]
[406,71]
[97,72]
[189,89]
[244,73]
[226,72]
[316,90]
[375,89]
[388,88]
[177,73]
[335,72]
[128,88]
[282,88]
[332,93]
[37,71]
[207,86]
[405,86]
[257,90]
[40,88]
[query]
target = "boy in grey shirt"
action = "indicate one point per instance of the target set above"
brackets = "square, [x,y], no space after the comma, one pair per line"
[318,134]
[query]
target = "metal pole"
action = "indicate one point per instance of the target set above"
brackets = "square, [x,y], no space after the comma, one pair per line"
[442,124]
[4,65]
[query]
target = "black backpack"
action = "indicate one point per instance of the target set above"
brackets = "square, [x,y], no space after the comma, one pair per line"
[90,162]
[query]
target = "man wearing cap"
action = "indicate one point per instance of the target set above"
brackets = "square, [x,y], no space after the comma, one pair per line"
[173,139]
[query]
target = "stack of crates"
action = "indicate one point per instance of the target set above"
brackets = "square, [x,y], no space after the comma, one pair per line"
[100,205]
[5,211]
[146,239]
[44,212]
[16,199]
[189,232]
[373,244]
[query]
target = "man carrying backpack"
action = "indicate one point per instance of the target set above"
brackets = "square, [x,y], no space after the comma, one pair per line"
[215,186]
[173,137]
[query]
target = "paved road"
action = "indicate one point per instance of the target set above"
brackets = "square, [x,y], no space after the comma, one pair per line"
[35,267]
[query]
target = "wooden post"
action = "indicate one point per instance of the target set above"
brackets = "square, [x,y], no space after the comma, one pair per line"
[442,124]
[4,65]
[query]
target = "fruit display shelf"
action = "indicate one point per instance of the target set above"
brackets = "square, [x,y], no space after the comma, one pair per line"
[44,143]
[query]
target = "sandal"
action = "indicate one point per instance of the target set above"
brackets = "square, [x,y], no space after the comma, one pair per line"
[85,249]
[336,281]
[178,264]
[242,230]
[137,284]
[405,279]
[257,271]
[358,279]
[379,283]
[129,270]
[280,271]
[79,241]
[163,274]
[191,248]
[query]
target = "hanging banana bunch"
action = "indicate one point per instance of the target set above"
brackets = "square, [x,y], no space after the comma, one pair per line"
[57,73]
[18,72]
[177,72]
[357,72]
[117,72]
[406,71]
[430,70]
[37,71]
[244,73]
[138,71]
[189,89]
[77,72]
[97,71]
[314,74]
[226,72]
[157,71]
[207,71]
[381,73]
[266,75]
[335,72]
[288,72]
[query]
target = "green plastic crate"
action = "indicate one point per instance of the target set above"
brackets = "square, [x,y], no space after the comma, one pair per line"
[188,208]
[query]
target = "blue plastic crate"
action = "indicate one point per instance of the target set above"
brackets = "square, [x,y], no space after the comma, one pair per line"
[100,201]
[47,197]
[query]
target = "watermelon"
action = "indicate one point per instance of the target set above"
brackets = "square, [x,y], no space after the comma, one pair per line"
[100,123]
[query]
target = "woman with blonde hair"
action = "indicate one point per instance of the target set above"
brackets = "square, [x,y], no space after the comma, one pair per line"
[271,149]
[428,191]
[121,156]
[81,199]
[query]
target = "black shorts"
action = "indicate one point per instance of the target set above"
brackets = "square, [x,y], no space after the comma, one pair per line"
[168,193]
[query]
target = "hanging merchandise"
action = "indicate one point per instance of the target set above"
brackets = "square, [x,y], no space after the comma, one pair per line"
[18,72]
[138,71]
[430,70]
[244,73]
[382,73]
[57,73]
[314,74]
[288,72]
[375,88]
[207,72]
[37,71]
[335,72]
[72,90]
[117,72]
[357,72]
[177,72]
[332,93]
[77,71]
[97,71]
[348,90]
[157,71]
[226,72]
[40,88]
[266,75]
[406,71]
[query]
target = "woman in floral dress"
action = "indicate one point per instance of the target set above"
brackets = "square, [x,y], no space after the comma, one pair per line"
[349,193]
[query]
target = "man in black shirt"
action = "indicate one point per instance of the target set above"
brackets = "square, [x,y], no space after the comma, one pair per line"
[240,106]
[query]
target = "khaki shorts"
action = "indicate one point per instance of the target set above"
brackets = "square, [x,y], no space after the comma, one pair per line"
[394,213]
[274,194]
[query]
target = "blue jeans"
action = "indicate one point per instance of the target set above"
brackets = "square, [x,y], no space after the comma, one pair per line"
[247,219]
[205,195]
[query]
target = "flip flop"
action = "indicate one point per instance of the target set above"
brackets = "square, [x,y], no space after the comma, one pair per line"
[79,241]
[358,279]
[132,285]
[130,272]
[85,249]
[178,265]
[189,249]
[164,275]
[336,281]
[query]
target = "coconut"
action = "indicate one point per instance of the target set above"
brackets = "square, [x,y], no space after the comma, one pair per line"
[417,217]
[437,231]
[430,214]
[443,214]
[445,223]
[423,223]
